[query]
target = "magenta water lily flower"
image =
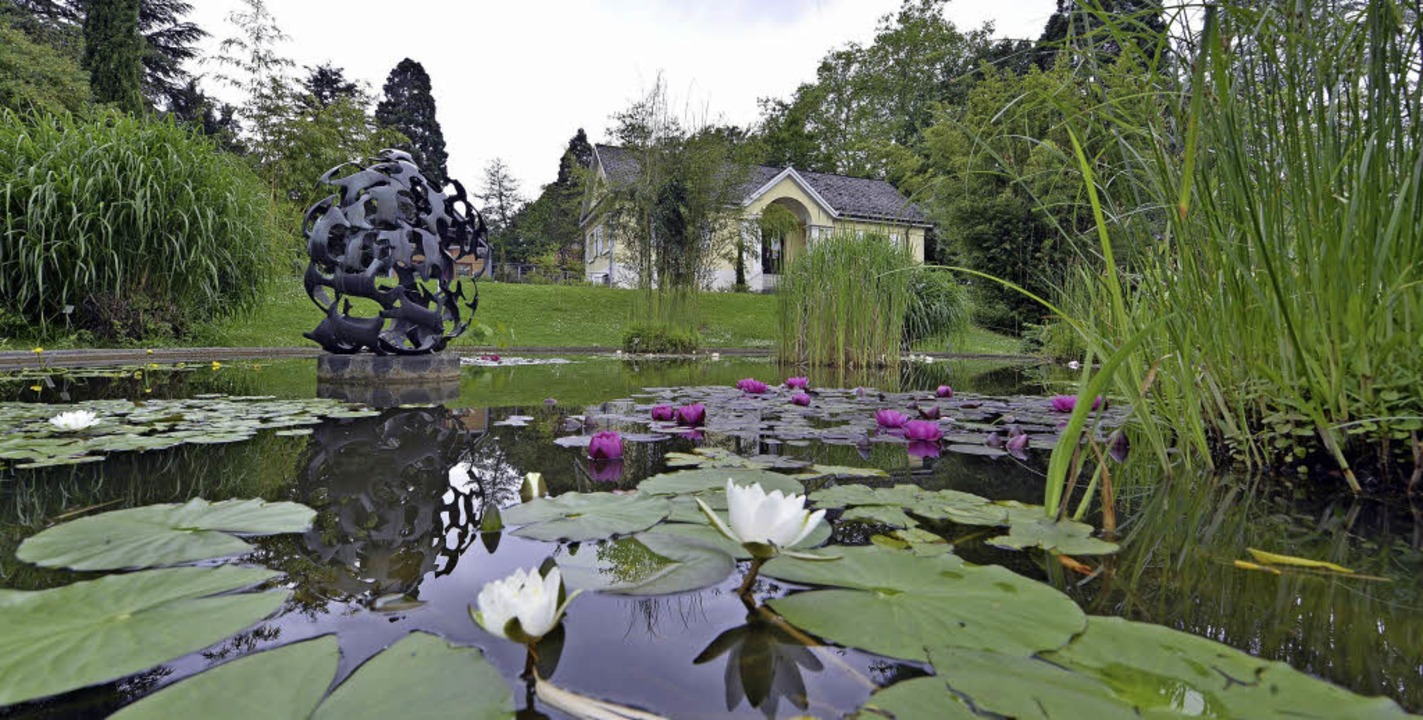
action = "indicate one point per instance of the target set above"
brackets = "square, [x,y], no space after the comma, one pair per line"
[1118,446]
[944,391]
[1017,443]
[1064,403]
[692,415]
[801,399]
[752,386]
[798,383]
[923,431]
[606,445]
[923,449]
[930,413]
[663,413]
[892,419]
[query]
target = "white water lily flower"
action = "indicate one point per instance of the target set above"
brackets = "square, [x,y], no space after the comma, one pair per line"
[524,597]
[759,520]
[74,420]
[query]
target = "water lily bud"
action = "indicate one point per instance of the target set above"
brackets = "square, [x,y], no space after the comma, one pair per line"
[944,391]
[663,413]
[801,399]
[533,487]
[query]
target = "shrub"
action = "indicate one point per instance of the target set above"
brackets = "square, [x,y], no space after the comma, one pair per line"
[844,302]
[106,207]
[938,307]
[663,339]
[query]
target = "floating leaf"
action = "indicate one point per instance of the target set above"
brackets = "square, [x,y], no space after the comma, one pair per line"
[687,482]
[158,535]
[815,472]
[853,495]
[1059,536]
[923,697]
[123,623]
[650,563]
[904,603]
[878,515]
[579,517]
[1243,565]
[1025,687]
[421,676]
[1158,668]
[282,684]
[1268,558]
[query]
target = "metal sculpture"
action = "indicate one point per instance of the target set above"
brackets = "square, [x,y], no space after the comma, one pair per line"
[385,236]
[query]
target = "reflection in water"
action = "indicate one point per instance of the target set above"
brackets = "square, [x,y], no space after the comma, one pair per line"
[763,665]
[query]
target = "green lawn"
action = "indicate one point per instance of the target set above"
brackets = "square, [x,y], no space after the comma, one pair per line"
[530,315]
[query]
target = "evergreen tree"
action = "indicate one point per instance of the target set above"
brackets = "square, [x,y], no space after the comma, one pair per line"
[548,226]
[1082,26]
[189,104]
[113,54]
[500,195]
[325,84]
[409,107]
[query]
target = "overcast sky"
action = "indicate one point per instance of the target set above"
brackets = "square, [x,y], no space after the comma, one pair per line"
[516,78]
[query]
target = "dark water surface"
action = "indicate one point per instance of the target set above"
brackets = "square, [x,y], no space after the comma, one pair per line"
[399,497]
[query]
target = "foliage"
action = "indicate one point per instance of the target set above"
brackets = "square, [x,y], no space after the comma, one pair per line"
[189,104]
[844,302]
[1283,266]
[939,307]
[250,64]
[35,76]
[408,107]
[654,338]
[499,192]
[325,84]
[113,54]
[550,222]
[118,206]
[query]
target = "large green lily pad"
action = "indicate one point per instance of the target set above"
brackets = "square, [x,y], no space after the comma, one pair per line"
[854,495]
[1059,536]
[925,697]
[282,684]
[158,535]
[905,603]
[94,631]
[421,676]
[1168,671]
[579,517]
[1026,687]
[650,563]
[687,482]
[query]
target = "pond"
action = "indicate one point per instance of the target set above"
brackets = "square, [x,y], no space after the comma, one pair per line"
[403,540]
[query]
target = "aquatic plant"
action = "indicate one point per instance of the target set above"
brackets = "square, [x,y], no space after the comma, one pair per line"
[75,420]
[663,413]
[522,607]
[801,399]
[923,431]
[798,383]
[890,419]
[752,386]
[606,445]
[693,415]
[944,391]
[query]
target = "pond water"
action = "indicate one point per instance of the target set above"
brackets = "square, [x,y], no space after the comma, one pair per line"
[397,544]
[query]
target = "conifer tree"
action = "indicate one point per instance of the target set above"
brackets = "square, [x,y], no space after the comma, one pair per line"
[409,107]
[113,54]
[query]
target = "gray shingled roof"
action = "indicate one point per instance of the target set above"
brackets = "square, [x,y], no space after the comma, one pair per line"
[848,196]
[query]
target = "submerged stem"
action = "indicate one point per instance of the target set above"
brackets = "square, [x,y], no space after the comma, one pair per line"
[745,590]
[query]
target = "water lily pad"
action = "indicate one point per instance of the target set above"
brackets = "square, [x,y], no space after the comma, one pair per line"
[1157,668]
[158,535]
[924,697]
[815,472]
[1026,687]
[852,495]
[123,623]
[282,684]
[903,602]
[421,676]
[579,517]
[650,563]
[687,482]
[878,515]
[1059,536]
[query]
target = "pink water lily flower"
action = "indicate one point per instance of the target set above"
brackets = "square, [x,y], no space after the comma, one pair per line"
[944,391]
[1017,443]
[663,413]
[752,386]
[798,383]
[1067,403]
[923,449]
[606,445]
[923,431]
[692,415]
[801,399]
[892,419]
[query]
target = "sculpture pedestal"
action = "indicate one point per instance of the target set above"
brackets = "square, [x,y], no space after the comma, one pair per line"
[389,380]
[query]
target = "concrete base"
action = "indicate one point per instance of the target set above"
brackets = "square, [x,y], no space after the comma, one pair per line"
[369,369]
[384,381]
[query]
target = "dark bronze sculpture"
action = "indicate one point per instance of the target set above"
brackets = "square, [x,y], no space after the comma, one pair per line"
[386,236]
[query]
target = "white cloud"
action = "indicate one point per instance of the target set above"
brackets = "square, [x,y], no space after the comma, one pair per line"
[517,79]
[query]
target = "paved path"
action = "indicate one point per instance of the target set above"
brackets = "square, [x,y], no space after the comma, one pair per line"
[16,360]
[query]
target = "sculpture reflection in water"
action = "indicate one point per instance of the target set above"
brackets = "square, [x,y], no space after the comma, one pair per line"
[399,497]
[388,219]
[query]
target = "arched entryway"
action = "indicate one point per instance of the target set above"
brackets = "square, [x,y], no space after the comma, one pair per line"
[783,234]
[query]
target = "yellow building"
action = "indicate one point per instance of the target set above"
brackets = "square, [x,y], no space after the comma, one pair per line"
[823,205]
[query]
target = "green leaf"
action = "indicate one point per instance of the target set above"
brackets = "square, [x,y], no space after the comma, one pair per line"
[650,563]
[159,535]
[282,684]
[815,472]
[878,515]
[907,602]
[688,482]
[421,676]
[123,623]
[1026,688]
[924,697]
[579,517]
[854,495]
[1066,537]
[1157,667]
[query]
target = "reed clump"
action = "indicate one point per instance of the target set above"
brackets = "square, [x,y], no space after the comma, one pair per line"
[118,216]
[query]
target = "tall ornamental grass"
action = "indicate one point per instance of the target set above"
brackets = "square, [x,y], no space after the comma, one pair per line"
[115,209]
[844,302]
[1276,316]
